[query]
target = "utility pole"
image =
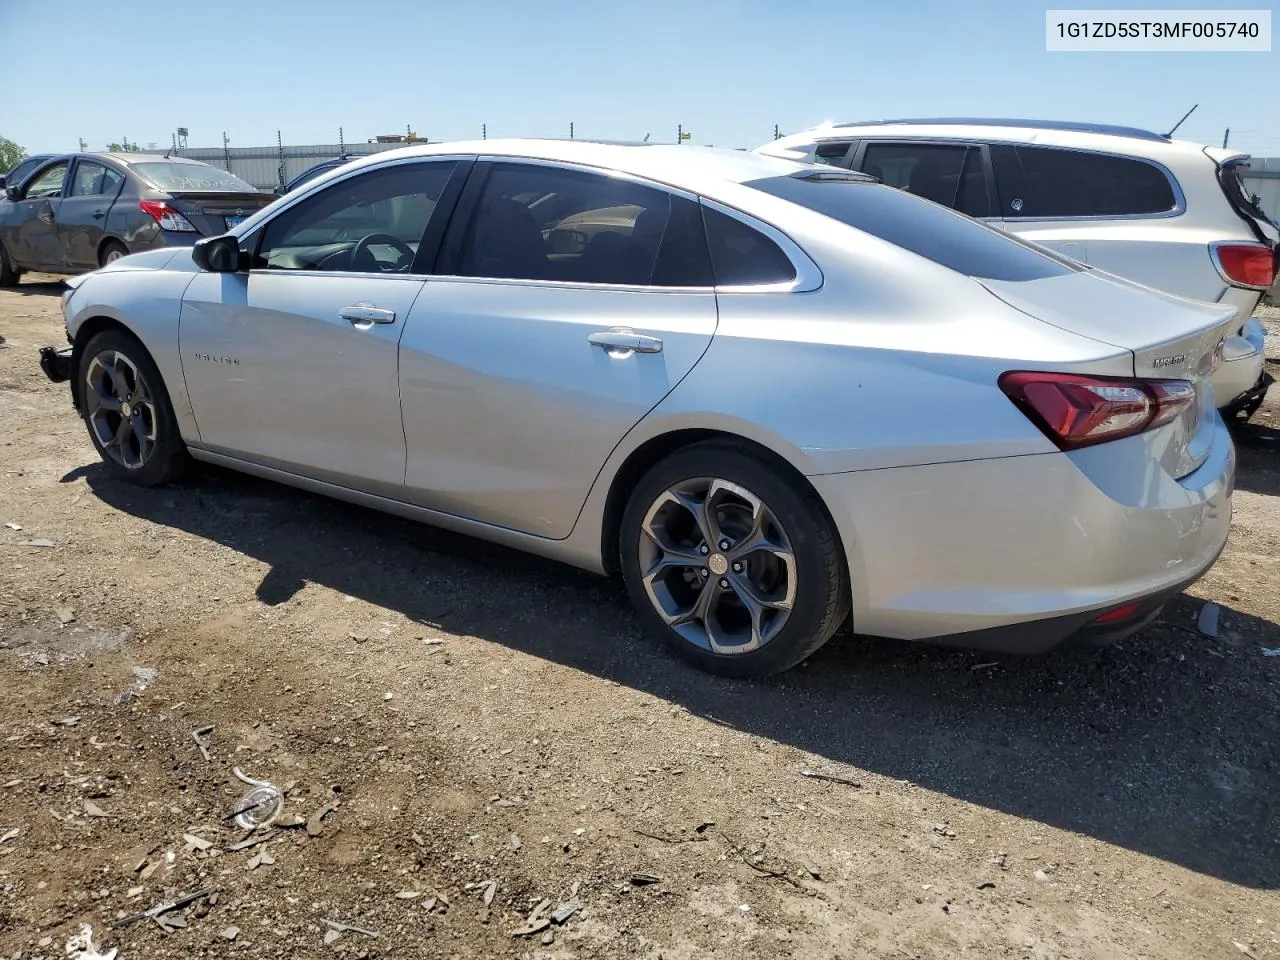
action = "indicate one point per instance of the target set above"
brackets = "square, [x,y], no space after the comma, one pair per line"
[1225,137]
[226,152]
[776,134]
[484,131]
[280,152]
[83,145]
[342,145]
[679,133]
[570,129]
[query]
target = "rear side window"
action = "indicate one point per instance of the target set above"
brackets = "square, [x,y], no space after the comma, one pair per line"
[953,241]
[742,256]
[1043,182]
[949,174]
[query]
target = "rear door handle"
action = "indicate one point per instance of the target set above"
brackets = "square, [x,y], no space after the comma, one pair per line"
[367,313]
[624,341]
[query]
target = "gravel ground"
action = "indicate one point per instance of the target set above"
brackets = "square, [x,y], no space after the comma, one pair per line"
[487,731]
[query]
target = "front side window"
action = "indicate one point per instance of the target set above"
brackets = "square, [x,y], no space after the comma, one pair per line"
[370,223]
[1044,182]
[93,179]
[951,175]
[535,222]
[22,171]
[47,183]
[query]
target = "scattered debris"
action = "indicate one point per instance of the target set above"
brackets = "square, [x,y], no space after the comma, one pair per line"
[490,890]
[65,615]
[195,843]
[408,894]
[261,805]
[548,938]
[315,824]
[229,933]
[759,867]
[830,778]
[657,836]
[9,835]
[984,666]
[644,879]
[537,921]
[1040,875]
[81,946]
[1271,651]
[200,735]
[250,841]
[337,926]
[331,936]
[566,910]
[14,526]
[262,858]
[91,809]
[810,868]
[942,830]
[1247,951]
[35,543]
[987,885]
[10,784]
[515,842]
[66,722]
[164,908]
[1207,621]
[135,892]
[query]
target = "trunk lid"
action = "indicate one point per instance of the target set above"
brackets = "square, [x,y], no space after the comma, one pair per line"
[216,212]
[1169,338]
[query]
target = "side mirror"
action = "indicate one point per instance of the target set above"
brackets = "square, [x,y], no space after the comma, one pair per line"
[1,181]
[11,192]
[217,254]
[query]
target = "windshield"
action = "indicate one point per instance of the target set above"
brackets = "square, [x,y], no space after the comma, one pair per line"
[191,176]
[928,229]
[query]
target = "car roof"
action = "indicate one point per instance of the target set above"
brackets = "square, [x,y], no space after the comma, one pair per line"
[676,165]
[1061,133]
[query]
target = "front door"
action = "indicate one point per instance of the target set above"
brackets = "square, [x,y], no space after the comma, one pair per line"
[293,363]
[32,238]
[569,304]
[82,213]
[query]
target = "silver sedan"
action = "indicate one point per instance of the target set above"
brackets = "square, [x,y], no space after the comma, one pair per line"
[770,395]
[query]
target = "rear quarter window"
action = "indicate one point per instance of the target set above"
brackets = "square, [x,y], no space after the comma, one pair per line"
[1043,182]
[919,226]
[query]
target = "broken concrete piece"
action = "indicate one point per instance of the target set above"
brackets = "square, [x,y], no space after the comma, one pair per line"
[315,824]
[230,933]
[563,912]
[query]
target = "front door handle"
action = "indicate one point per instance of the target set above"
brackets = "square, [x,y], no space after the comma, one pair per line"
[367,313]
[99,214]
[625,341]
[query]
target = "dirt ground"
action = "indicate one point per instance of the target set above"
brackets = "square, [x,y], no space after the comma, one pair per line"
[495,731]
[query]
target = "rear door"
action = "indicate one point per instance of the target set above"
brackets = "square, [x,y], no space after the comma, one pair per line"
[83,212]
[292,364]
[954,174]
[31,237]
[567,304]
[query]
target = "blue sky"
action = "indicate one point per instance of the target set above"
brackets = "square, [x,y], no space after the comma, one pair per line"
[728,70]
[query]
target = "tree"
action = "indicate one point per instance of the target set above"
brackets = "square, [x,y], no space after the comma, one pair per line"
[125,147]
[10,154]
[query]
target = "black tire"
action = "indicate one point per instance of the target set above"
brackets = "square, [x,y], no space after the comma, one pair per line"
[821,589]
[109,248]
[166,458]
[8,273]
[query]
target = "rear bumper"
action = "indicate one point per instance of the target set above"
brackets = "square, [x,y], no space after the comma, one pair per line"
[1242,369]
[1023,553]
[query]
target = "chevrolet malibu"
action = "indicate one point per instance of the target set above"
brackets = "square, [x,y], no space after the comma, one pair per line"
[771,395]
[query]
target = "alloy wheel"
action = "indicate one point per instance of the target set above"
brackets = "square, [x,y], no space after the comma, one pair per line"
[717,565]
[120,409]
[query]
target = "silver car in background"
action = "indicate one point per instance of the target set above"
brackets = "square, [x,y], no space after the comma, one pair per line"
[769,394]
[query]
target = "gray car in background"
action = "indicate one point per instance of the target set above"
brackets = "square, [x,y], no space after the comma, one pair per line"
[81,211]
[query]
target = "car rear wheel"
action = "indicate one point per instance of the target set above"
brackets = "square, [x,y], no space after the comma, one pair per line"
[112,251]
[8,275]
[128,412]
[733,566]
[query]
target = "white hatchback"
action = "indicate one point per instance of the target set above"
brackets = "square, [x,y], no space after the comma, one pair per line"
[1169,214]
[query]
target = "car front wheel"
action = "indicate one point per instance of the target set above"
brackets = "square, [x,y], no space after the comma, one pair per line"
[736,568]
[128,412]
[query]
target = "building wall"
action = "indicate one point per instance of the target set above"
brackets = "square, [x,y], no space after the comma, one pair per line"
[265,168]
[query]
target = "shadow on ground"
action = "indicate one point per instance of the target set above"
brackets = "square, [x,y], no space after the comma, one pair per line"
[1166,744]
[1258,450]
[41,288]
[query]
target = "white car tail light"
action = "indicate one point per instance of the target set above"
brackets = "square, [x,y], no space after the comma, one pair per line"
[1245,264]
[166,216]
[1078,411]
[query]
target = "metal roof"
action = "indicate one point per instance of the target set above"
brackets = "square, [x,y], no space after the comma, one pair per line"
[1100,128]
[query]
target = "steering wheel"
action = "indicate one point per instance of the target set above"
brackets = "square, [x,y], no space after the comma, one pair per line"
[361,250]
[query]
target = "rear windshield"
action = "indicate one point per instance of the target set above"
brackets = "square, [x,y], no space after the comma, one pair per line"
[924,228]
[191,176]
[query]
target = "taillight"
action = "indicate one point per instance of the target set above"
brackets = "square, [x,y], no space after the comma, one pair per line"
[166,216]
[1245,264]
[1078,411]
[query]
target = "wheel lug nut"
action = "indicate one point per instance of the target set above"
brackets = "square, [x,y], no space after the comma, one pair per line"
[724,544]
[724,583]
[704,549]
[737,568]
[704,573]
